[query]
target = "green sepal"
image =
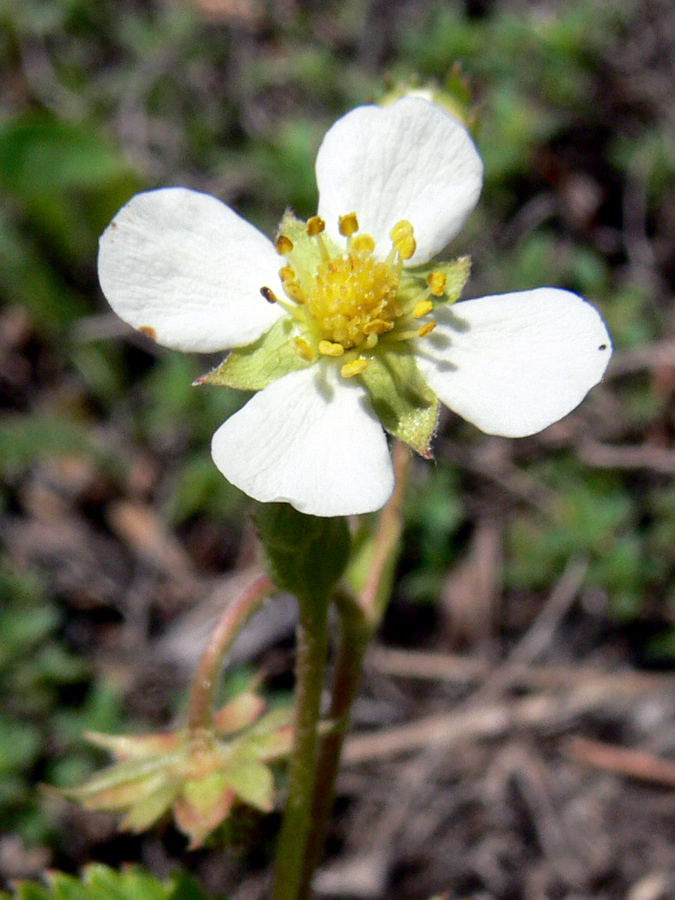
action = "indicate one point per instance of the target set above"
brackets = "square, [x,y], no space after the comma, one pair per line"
[306,555]
[456,271]
[403,401]
[253,367]
[305,248]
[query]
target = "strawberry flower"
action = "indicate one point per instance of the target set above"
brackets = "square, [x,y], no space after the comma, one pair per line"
[343,326]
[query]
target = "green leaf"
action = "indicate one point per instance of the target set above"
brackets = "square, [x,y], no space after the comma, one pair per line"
[151,808]
[253,367]
[29,890]
[99,882]
[67,887]
[404,403]
[124,783]
[254,784]
[184,887]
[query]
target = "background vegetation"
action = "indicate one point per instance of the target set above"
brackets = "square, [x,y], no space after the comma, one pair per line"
[114,521]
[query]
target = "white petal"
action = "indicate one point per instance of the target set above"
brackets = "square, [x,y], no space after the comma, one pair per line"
[410,160]
[312,440]
[187,270]
[515,363]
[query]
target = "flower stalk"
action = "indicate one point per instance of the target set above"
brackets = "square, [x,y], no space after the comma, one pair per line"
[359,622]
[201,705]
[310,668]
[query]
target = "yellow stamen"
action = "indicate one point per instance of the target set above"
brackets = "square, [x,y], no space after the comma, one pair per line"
[328,348]
[286,274]
[403,239]
[437,282]
[362,243]
[303,349]
[284,245]
[426,329]
[294,291]
[315,225]
[421,308]
[357,367]
[348,224]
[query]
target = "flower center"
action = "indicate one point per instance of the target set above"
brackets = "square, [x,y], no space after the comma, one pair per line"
[350,299]
[353,298]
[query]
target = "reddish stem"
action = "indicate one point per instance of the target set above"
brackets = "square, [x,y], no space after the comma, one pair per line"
[200,708]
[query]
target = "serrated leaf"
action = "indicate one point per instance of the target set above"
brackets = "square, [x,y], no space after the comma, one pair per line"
[403,401]
[128,747]
[202,807]
[270,738]
[123,784]
[240,712]
[150,809]
[253,367]
[254,784]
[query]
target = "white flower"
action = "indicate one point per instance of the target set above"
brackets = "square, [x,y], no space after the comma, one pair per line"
[353,329]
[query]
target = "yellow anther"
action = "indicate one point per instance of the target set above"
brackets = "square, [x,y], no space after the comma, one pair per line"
[269,295]
[406,246]
[421,308]
[303,349]
[284,245]
[436,282]
[371,341]
[363,243]
[328,348]
[294,291]
[315,225]
[348,224]
[401,228]
[403,239]
[377,326]
[357,367]
[286,274]
[426,329]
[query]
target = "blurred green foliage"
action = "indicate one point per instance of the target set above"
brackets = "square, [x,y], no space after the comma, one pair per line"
[36,675]
[100,882]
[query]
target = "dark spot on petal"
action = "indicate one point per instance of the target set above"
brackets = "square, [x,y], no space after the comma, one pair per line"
[602,347]
[148,331]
